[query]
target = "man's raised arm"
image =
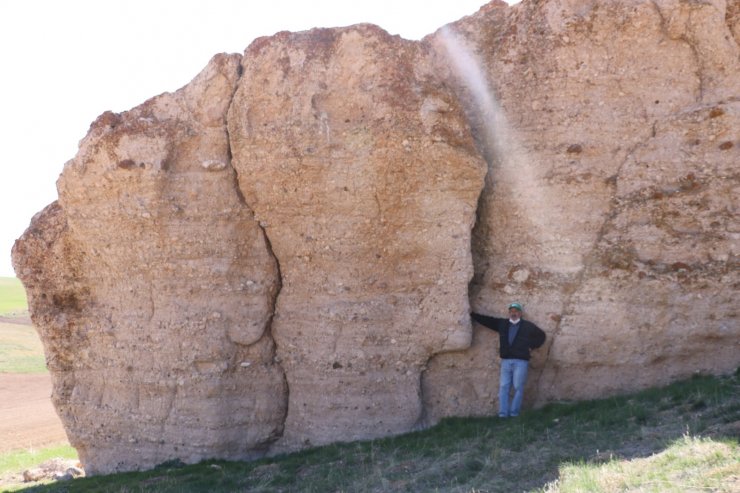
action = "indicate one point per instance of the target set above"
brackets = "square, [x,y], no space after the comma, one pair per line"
[492,323]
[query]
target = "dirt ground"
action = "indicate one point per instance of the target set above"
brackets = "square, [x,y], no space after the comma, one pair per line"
[21,320]
[27,417]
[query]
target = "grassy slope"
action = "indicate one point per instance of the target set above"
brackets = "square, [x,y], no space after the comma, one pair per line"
[19,460]
[12,296]
[634,443]
[20,349]
[690,464]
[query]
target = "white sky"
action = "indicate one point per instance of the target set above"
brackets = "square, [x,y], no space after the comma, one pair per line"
[65,62]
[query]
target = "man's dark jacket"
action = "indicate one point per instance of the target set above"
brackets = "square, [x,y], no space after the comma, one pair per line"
[527,338]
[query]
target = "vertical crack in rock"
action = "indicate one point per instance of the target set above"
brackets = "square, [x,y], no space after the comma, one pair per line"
[268,332]
[664,24]
[368,224]
[577,80]
[715,50]
[279,286]
[183,283]
[273,303]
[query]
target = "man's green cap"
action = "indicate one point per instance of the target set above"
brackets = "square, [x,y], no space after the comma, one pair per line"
[516,305]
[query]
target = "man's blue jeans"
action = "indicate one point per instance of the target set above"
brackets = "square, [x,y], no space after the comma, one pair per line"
[513,373]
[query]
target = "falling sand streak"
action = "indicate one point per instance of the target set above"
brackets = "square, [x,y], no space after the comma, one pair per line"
[515,170]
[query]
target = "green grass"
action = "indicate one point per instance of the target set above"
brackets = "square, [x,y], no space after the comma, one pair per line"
[11,462]
[689,464]
[681,436]
[12,296]
[20,349]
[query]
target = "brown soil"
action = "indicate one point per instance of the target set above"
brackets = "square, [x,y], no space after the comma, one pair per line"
[21,320]
[27,417]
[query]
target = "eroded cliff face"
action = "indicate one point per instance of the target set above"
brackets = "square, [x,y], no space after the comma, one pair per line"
[361,168]
[153,289]
[279,254]
[610,206]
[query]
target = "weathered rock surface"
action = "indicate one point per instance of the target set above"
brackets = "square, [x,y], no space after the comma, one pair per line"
[279,253]
[56,469]
[610,207]
[153,288]
[157,301]
[361,168]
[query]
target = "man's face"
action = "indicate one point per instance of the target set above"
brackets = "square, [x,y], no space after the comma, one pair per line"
[514,314]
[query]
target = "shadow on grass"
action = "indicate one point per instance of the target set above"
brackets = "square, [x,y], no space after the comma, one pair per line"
[467,454]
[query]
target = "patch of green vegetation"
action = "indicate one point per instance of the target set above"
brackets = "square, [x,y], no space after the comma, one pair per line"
[12,462]
[639,439]
[21,350]
[12,296]
[689,464]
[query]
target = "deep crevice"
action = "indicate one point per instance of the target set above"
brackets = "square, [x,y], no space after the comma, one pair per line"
[422,421]
[268,332]
[268,326]
[273,305]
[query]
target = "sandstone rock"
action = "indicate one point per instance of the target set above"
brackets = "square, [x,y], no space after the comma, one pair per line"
[279,253]
[33,475]
[56,469]
[62,476]
[361,168]
[160,335]
[150,281]
[618,187]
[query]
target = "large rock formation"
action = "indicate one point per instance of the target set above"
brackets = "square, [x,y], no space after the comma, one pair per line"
[279,253]
[153,288]
[611,201]
[362,170]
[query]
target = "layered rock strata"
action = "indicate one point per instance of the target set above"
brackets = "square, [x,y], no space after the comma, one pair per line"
[190,333]
[278,254]
[361,168]
[153,289]
[611,201]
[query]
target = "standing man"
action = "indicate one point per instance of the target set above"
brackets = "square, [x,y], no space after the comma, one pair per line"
[517,337]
